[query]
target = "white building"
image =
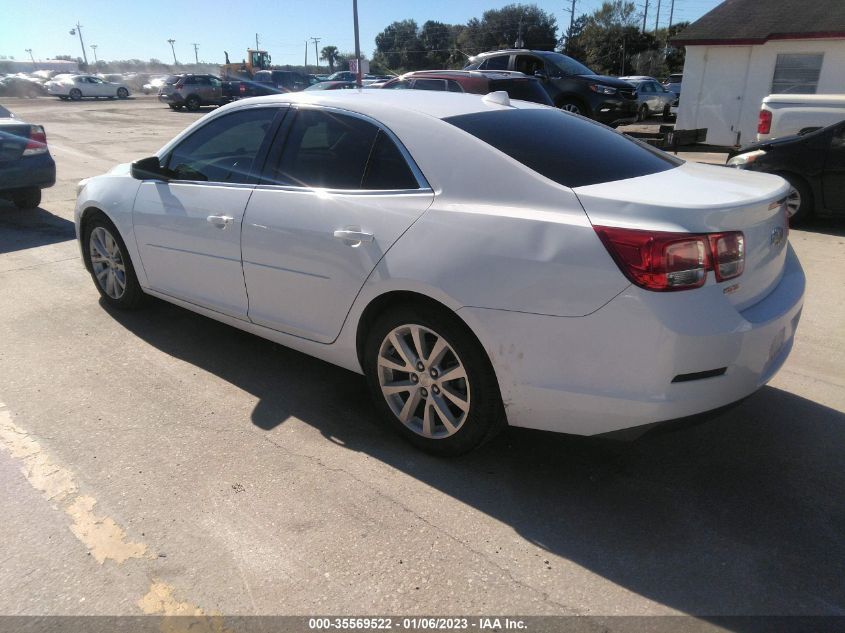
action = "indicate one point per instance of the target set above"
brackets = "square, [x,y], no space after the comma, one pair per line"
[743,50]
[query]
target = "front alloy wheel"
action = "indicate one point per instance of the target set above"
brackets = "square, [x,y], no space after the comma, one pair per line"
[108,260]
[432,380]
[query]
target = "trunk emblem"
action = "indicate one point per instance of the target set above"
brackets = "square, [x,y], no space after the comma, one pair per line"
[777,236]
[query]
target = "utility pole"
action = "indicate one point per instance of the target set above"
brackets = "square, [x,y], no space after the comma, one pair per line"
[671,12]
[94,48]
[172,42]
[657,21]
[257,47]
[29,50]
[78,30]
[571,25]
[519,43]
[306,56]
[316,40]
[196,52]
[645,14]
[357,44]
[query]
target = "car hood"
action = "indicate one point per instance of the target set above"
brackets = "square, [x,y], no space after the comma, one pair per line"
[608,81]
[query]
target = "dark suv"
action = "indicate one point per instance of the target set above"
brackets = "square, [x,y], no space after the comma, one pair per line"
[192,92]
[571,85]
[517,85]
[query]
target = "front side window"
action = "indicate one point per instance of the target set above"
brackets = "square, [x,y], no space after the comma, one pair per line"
[454,86]
[224,149]
[569,150]
[528,64]
[335,151]
[797,73]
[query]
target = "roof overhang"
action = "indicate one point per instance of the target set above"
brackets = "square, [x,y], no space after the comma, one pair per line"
[821,35]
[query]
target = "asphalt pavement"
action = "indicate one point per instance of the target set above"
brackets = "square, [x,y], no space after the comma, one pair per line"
[160,462]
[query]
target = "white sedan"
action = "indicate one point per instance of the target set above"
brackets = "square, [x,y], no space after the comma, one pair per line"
[482,262]
[75,87]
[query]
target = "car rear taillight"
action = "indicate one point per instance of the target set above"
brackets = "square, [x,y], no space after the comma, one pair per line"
[242,88]
[37,143]
[664,262]
[764,122]
[728,251]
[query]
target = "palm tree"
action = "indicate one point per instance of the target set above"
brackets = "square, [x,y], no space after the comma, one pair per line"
[329,54]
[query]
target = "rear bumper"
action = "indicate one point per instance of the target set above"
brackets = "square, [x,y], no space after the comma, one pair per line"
[28,172]
[174,99]
[614,369]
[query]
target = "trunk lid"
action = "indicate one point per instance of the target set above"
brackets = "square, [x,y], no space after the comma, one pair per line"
[14,135]
[694,198]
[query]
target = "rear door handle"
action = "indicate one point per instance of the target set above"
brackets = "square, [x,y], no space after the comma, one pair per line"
[353,237]
[220,221]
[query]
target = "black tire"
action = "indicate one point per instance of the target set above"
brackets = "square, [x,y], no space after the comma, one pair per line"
[642,113]
[805,198]
[27,198]
[75,94]
[192,103]
[175,108]
[485,415]
[122,93]
[667,112]
[63,98]
[133,296]
[572,105]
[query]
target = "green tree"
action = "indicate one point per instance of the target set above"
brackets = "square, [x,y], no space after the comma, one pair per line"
[439,42]
[503,28]
[398,47]
[329,55]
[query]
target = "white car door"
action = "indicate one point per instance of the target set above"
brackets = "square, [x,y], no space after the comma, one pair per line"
[188,229]
[339,191]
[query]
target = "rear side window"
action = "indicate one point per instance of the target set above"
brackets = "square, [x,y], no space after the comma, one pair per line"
[524,89]
[570,150]
[335,151]
[429,84]
[500,62]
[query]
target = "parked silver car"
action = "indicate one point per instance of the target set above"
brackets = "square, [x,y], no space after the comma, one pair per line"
[652,97]
[75,87]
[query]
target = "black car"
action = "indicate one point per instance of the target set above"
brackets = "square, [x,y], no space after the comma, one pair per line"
[571,85]
[26,166]
[813,163]
[268,82]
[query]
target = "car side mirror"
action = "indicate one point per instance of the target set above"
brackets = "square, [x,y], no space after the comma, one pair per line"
[542,75]
[149,169]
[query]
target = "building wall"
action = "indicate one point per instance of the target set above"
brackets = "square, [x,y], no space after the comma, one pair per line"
[714,76]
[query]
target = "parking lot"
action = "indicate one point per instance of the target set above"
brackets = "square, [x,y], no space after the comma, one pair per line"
[160,462]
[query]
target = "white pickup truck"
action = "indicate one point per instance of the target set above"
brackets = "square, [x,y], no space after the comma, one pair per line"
[788,114]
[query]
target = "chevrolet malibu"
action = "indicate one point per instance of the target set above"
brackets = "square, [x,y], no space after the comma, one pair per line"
[482,262]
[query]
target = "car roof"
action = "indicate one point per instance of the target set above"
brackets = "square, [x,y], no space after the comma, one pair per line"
[451,74]
[638,78]
[376,103]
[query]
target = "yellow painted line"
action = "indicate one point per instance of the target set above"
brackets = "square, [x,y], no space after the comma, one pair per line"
[103,537]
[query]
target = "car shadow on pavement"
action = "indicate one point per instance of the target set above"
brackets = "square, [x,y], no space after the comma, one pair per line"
[743,514]
[826,226]
[28,228]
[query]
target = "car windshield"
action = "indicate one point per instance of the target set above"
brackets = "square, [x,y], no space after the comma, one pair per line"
[568,65]
[538,138]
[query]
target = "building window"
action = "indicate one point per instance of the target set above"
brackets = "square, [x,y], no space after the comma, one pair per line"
[797,73]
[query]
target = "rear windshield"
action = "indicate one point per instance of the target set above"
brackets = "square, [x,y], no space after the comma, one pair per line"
[524,89]
[566,148]
[172,79]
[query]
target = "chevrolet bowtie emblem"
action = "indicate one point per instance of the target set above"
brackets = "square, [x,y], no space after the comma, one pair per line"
[777,236]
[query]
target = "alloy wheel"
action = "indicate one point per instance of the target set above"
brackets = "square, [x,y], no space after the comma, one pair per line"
[107,262]
[571,107]
[793,202]
[423,381]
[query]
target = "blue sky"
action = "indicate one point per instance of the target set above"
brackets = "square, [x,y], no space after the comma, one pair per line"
[140,29]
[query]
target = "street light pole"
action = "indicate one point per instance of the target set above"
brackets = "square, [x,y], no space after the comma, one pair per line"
[316,40]
[74,31]
[94,48]
[358,81]
[29,50]
[172,42]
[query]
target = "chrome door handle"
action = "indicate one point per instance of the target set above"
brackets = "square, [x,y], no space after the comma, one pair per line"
[353,237]
[220,221]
